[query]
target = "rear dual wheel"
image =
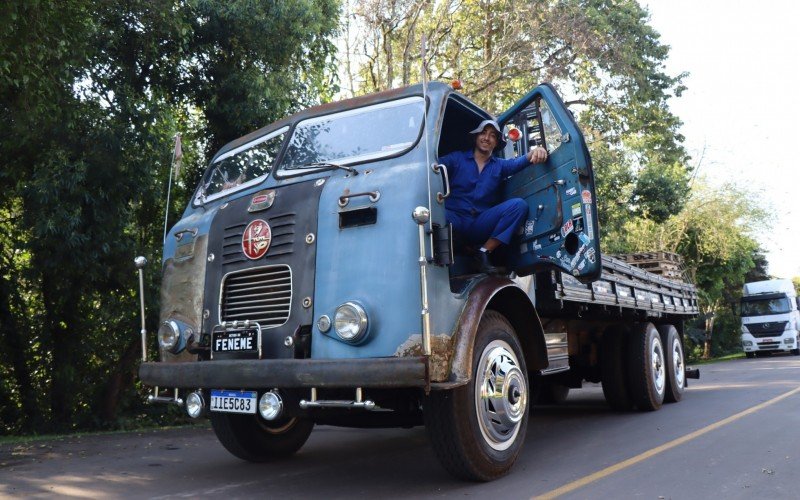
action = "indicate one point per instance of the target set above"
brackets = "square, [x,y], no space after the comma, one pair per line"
[647,372]
[634,367]
[676,369]
[613,370]
[478,429]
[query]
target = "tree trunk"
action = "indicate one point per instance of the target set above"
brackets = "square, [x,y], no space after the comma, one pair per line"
[14,342]
[60,309]
[709,333]
[121,378]
[387,50]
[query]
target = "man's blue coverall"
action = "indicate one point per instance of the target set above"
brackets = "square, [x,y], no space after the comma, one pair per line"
[472,206]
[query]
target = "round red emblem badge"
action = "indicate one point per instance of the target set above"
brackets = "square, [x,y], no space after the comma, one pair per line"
[256,239]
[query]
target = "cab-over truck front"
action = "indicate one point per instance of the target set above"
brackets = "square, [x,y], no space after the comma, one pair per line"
[313,279]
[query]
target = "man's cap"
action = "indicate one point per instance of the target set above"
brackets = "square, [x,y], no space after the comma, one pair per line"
[501,141]
[483,125]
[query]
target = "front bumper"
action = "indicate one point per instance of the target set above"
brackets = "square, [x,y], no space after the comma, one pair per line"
[288,373]
[770,344]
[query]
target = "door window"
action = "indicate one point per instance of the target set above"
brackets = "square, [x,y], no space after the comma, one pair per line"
[550,128]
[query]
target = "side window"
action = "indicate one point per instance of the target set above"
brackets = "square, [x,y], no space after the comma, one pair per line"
[541,129]
[552,132]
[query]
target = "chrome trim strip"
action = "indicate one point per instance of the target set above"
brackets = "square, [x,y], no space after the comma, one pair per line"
[283,280]
[423,282]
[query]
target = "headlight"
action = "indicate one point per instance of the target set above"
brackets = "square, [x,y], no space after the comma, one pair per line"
[270,406]
[350,322]
[172,335]
[195,404]
[788,341]
[169,335]
[747,343]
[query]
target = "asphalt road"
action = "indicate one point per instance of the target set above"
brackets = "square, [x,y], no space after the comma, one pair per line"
[736,434]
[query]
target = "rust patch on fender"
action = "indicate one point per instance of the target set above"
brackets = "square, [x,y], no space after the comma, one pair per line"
[441,354]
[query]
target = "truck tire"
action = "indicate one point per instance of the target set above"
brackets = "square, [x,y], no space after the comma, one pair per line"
[750,355]
[675,363]
[647,375]
[612,371]
[796,350]
[253,439]
[477,430]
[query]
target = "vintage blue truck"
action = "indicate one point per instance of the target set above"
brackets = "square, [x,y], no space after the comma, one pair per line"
[313,279]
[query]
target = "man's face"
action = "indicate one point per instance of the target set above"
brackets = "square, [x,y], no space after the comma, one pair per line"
[486,141]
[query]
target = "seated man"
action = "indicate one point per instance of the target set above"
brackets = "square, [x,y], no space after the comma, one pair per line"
[475,179]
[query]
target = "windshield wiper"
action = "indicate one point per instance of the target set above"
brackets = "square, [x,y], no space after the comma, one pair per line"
[331,165]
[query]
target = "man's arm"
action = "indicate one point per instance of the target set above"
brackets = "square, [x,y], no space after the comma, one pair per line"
[450,161]
[535,155]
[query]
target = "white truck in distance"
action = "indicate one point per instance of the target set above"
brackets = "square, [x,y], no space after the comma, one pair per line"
[770,318]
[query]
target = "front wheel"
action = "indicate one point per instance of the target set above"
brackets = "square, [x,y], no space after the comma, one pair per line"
[252,438]
[477,430]
[750,355]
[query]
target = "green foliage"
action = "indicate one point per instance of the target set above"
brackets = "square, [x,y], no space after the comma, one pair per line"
[714,234]
[92,94]
[601,54]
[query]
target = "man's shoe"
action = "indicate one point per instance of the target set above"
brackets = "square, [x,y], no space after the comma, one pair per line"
[483,264]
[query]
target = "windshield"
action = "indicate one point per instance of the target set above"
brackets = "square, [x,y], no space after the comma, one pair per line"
[241,167]
[764,307]
[355,135]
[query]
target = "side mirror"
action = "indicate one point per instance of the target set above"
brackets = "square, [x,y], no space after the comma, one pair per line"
[797,299]
[736,307]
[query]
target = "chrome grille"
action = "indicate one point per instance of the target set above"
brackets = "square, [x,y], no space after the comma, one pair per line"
[769,329]
[262,294]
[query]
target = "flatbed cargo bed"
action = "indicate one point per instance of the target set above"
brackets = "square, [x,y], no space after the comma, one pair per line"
[621,288]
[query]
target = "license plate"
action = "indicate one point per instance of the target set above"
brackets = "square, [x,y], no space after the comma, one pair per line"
[233,401]
[766,341]
[235,341]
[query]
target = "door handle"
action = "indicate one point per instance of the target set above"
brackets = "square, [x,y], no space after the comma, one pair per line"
[179,234]
[439,168]
[374,196]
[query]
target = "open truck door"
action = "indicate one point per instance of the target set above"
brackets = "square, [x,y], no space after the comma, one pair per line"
[561,230]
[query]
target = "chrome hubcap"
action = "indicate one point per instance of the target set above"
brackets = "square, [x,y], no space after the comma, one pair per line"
[657,357]
[501,395]
[677,362]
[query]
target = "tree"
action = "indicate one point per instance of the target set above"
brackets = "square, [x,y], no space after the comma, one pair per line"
[602,55]
[92,93]
[714,234]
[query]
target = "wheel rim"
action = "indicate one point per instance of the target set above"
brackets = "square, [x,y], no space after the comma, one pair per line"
[501,395]
[677,362]
[657,359]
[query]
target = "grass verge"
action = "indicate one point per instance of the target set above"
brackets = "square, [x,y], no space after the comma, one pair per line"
[727,357]
[23,440]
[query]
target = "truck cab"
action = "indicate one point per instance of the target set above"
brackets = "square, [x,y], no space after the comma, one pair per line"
[770,318]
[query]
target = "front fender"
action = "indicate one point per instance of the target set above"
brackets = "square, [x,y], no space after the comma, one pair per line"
[504,296]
